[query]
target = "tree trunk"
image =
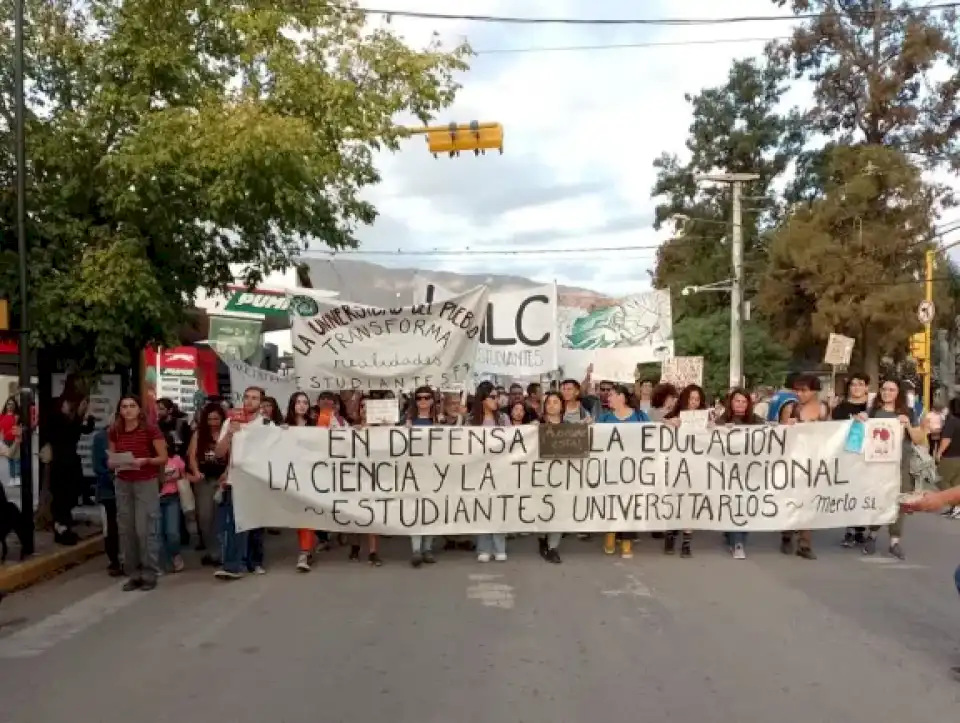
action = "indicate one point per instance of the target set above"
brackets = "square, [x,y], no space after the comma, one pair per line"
[871,357]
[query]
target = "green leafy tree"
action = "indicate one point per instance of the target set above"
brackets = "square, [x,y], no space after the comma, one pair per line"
[852,261]
[170,140]
[765,360]
[736,127]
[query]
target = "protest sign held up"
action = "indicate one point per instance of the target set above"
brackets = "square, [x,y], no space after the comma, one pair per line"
[346,346]
[463,480]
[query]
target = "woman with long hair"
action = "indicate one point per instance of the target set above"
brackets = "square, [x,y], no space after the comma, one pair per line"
[138,453]
[737,410]
[206,472]
[300,413]
[270,409]
[619,411]
[69,421]
[519,413]
[891,403]
[549,544]
[662,401]
[691,399]
[486,413]
[422,412]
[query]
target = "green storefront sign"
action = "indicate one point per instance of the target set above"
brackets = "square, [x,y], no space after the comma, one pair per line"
[254,302]
[237,338]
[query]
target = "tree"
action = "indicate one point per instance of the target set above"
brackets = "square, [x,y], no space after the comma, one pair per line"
[736,127]
[852,261]
[765,360]
[169,140]
[883,73]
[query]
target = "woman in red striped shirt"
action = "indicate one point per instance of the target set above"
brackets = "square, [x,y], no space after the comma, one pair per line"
[138,452]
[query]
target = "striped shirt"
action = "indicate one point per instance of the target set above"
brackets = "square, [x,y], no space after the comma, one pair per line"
[139,443]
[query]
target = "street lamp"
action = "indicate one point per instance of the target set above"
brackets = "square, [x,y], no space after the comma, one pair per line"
[736,180]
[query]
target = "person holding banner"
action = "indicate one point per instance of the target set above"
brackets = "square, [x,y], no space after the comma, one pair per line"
[327,419]
[691,399]
[300,414]
[206,471]
[620,412]
[549,544]
[422,412]
[486,413]
[738,409]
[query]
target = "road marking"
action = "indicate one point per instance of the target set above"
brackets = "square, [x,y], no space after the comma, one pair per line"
[634,587]
[243,595]
[891,563]
[68,623]
[491,594]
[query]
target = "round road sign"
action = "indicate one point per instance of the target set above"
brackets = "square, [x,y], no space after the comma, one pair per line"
[926,312]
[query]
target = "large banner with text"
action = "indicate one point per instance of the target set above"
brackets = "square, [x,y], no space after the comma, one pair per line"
[633,477]
[342,346]
[242,376]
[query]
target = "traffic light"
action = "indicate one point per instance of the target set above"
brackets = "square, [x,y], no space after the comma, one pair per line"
[474,136]
[918,350]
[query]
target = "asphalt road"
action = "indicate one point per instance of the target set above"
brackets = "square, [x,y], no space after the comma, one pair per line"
[844,638]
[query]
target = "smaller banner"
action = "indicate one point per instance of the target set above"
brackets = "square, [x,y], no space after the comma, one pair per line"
[682,371]
[340,345]
[234,338]
[243,375]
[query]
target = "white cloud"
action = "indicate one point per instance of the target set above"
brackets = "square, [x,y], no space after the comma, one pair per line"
[582,129]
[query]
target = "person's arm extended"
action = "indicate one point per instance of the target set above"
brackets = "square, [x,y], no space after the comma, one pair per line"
[223,444]
[934,502]
[192,467]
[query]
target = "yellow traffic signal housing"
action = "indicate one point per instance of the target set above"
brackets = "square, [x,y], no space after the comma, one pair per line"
[4,315]
[476,137]
[918,346]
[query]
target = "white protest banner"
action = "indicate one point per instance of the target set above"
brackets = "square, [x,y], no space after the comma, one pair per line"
[682,371]
[695,420]
[340,345]
[381,411]
[242,376]
[519,336]
[615,335]
[467,480]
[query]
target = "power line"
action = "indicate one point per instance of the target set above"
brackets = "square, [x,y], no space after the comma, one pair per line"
[514,20]
[622,46]
[482,252]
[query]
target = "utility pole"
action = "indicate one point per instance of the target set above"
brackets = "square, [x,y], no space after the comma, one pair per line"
[736,180]
[928,332]
[26,397]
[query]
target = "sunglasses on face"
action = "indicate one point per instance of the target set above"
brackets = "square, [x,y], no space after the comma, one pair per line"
[424,397]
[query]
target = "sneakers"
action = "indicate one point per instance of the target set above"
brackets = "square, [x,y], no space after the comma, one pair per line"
[610,543]
[374,559]
[500,557]
[303,562]
[542,546]
[669,544]
[786,545]
[132,584]
[686,547]
[806,553]
[870,546]
[416,560]
[483,557]
[739,553]
[626,549]
[259,570]
[354,553]
[429,559]
[848,540]
[222,574]
[553,556]
[897,551]
[147,585]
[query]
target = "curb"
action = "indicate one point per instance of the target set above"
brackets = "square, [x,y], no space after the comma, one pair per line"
[35,569]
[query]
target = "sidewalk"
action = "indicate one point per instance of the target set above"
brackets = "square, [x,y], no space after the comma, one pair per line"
[49,558]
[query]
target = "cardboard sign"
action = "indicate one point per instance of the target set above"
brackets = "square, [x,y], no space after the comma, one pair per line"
[563,441]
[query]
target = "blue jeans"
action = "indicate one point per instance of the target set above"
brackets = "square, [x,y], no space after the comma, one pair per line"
[254,557]
[233,544]
[492,544]
[420,544]
[14,466]
[168,529]
[737,537]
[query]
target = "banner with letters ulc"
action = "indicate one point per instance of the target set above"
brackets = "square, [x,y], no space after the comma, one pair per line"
[519,338]
[637,477]
[341,345]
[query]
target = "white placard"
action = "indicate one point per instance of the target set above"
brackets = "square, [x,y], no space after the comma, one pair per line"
[242,375]
[695,420]
[104,398]
[682,371]
[459,480]
[340,345]
[839,350]
[381,411]
[519,338]
[883,440]
[616,336]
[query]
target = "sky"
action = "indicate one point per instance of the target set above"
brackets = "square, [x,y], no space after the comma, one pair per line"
[581,131]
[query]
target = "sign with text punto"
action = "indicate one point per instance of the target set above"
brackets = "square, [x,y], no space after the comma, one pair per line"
[243,376]
[519,338]
[637,477]
[682,371]
[342,346]
[614,335]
